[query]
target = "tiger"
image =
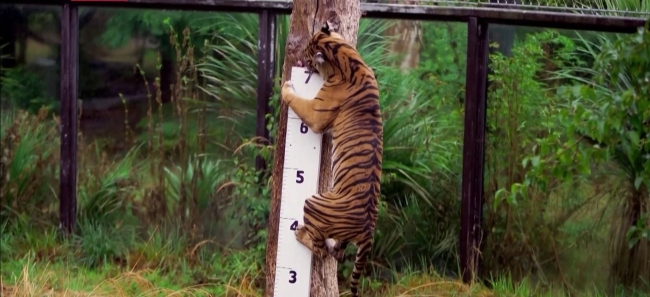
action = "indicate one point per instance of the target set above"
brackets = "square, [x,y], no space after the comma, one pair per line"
[347,107]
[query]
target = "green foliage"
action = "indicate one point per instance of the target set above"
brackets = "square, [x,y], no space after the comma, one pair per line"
[621,123]
[615,6]
[420,131]
[443,58]
[252,202]
[100,245]
[586,128]
[203,174]
[617,124]
[24,89]
[126,23]
[537,177]
[29,164]
[103,193]
[230,72]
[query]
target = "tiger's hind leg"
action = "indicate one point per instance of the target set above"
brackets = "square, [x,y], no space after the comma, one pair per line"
[318,218]
[363,251]
[312,239]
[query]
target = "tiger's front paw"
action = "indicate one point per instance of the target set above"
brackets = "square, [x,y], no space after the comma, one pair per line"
[287,91]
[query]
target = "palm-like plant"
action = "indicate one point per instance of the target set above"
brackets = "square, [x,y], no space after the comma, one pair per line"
[230,67]
[615,118]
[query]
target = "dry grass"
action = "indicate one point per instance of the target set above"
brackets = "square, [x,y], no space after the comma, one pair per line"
[130,283]
[48,280]
[431,286]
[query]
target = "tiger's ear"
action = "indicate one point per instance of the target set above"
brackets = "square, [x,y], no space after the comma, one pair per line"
[326,28]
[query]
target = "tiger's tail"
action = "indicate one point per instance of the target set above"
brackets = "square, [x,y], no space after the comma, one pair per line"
[363,251]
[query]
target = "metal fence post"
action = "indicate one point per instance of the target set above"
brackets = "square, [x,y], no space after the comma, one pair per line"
[473,148]
[265,74]
[68,175]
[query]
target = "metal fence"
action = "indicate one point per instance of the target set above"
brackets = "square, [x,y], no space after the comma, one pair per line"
[477,14]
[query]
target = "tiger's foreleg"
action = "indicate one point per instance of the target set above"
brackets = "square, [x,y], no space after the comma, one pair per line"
[316,113]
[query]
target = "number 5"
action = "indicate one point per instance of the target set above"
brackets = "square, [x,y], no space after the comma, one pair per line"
[299,176]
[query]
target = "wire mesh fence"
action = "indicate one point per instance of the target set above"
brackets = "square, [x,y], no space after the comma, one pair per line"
[638,9]
[633,8]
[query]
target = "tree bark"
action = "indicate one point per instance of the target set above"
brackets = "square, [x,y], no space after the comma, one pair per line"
[406,42]
[345,16]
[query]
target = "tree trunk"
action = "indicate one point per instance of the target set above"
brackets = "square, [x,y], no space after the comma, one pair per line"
[345,16]
[406,42]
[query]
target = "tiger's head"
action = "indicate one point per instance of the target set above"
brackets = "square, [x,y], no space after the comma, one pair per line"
[320,51]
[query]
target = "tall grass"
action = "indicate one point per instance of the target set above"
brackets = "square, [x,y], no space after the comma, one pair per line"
[28,168]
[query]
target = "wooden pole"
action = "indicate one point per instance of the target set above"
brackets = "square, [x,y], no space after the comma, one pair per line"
[345,16]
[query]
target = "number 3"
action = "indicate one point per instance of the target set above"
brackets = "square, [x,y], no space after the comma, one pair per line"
[292,278]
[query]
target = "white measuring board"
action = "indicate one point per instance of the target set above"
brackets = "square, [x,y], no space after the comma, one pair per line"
[302,152]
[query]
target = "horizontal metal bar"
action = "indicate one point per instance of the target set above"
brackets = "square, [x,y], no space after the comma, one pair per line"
[242,6]
[33,2]
[509,15]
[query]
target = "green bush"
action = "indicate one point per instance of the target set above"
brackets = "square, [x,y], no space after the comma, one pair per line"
[23,88]
[29,165]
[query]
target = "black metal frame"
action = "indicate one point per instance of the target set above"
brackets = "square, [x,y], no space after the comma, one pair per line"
[477,18]
[69,69]
[473,146]
[265,74]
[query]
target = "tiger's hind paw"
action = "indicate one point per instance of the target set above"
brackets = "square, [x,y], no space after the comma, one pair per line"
[303,237]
